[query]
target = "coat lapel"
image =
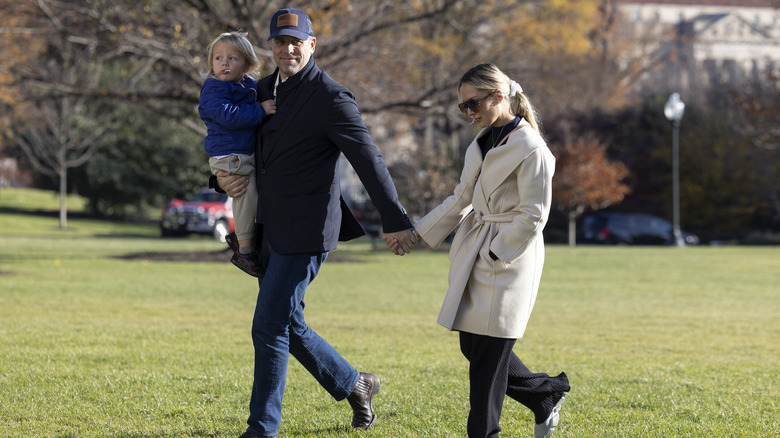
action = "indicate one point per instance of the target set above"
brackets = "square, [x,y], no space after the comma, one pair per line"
[501,161]
[295,99]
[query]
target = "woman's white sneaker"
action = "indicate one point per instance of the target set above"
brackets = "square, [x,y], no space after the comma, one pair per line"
[546,429]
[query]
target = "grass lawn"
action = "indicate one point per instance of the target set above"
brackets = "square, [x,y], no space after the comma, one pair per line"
[657,342]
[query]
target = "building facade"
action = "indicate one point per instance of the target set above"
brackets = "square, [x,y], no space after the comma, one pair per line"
[702,43]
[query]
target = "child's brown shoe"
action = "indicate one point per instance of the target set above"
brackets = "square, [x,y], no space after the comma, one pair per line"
[232,241]
[249,263]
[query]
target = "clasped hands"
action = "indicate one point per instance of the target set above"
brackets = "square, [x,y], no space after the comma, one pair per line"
[401,242]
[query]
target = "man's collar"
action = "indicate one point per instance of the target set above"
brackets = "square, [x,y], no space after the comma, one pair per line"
[297,77]
[279,80]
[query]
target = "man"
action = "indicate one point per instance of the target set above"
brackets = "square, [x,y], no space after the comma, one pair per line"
[301,216]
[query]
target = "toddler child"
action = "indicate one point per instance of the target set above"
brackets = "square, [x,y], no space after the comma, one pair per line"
[229,107]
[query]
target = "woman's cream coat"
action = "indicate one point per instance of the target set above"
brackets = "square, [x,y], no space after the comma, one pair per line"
[501,205]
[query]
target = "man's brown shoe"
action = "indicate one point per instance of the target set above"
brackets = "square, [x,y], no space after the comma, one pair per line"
[362,401]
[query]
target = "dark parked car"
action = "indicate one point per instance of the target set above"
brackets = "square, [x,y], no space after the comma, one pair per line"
[630,229]
[205,212]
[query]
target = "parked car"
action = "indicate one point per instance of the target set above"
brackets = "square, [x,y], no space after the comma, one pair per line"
[205,212]
[630,229]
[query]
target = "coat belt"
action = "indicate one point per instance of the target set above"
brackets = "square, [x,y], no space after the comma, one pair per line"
[480,218]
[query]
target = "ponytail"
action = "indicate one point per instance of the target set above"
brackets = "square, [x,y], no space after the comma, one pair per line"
[521,106]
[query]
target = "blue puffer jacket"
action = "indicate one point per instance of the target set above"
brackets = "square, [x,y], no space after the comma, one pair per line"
[231,113]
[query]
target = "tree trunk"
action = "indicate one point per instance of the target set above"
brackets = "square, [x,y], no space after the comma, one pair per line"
[573,228]
[63,196]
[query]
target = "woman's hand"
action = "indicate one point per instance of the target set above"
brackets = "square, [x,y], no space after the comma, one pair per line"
[401,242]
[233,185]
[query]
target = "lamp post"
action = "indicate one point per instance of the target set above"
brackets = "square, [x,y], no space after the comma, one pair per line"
[674,110]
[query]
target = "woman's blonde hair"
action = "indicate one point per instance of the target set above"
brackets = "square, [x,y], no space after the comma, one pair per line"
[236,41]
[488,78]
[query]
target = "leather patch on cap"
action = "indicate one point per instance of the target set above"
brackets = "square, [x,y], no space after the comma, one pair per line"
[287,20]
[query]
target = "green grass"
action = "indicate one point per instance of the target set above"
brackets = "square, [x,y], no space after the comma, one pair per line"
[657,342]
[31,199]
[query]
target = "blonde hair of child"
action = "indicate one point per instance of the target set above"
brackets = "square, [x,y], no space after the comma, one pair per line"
[237,41]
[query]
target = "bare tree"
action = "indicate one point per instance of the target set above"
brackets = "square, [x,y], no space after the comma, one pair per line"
[64,137]
[54,118]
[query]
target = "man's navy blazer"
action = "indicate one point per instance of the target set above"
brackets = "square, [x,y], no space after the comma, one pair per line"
[299,203]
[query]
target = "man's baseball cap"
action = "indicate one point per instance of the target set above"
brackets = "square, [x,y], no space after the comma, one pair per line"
[291,22]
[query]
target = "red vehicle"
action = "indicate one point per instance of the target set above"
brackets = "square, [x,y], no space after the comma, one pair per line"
[205,212]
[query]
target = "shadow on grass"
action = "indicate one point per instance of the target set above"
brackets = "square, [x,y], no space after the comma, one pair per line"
[210,433]
[220,256]
[124,236]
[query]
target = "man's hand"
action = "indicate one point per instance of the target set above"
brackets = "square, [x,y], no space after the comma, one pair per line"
[400,242]
[233,185]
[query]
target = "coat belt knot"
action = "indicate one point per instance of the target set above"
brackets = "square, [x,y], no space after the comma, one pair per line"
[478,218]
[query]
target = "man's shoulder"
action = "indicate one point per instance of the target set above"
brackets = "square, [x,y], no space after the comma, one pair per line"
[313,76]
[334,90]
[330,83]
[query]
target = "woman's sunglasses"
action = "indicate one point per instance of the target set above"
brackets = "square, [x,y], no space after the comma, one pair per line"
[472,105]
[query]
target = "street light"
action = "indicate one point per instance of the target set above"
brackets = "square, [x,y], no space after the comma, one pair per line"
[674,110]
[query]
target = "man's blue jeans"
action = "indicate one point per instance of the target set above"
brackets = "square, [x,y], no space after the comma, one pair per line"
[278,329]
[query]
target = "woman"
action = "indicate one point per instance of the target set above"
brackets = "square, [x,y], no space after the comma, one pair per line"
[501,204]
